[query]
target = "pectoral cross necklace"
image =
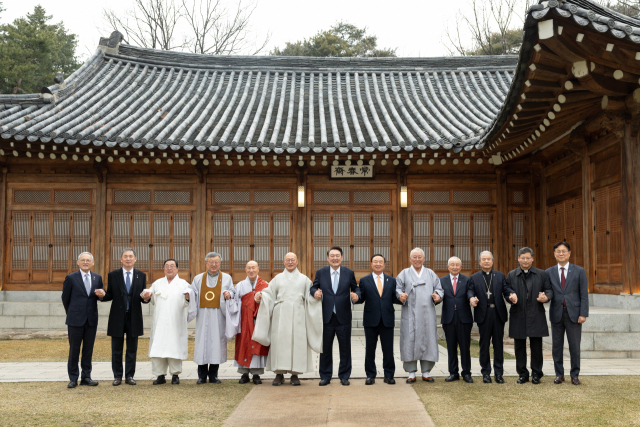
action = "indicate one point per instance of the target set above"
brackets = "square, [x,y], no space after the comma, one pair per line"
[484,276]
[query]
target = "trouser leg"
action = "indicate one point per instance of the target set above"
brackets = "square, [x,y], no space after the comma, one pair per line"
[343,332]
[213,371]
[557,348]
[203,371]
[574,336]
[252,371]
[132,348]
[75,334]
[452,345]
[117,345]
[463,332]
[426,366]
[88,340]
[520,347]
[535,343]
[498,347]
[486,329]
[386,342]
[326,357]
[371,342]
[175,366]
[159,366]
[411,366]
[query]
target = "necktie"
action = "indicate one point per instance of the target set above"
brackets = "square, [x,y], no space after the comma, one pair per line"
[335,286]
[563,282]
[127,282]
[87,284]
[379,286]
[455,285]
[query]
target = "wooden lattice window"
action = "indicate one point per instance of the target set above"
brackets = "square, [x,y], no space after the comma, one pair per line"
[264,237]
[472,196]
[154,236]
[45,245]
[32,196]
[72,196]
[565,224]
[431,197]
[518,235]
[331,197]
[132,196]
[608,239]
[232,197]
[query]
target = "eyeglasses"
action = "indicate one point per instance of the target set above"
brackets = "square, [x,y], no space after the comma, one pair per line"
[213,262]
[561,252]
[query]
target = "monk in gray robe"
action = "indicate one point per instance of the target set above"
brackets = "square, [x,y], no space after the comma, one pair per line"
[290,321]
[419,290]
[208,307]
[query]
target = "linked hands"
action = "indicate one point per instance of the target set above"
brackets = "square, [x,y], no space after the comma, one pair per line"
[403,297]
[258,297]
[186,295]
[318,294]
[474,301]
[542,297]
[100,293]
[146,294]
[227,295]
[436,297]
[354,297]
[514,298]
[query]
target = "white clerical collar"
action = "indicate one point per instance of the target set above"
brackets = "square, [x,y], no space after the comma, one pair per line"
[421,270]
[525,271]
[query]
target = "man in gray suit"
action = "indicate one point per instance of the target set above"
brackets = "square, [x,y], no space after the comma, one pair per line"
[568,311]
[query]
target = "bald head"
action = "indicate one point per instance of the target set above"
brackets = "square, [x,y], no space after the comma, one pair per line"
[290,262]
[252,270]
[454,265]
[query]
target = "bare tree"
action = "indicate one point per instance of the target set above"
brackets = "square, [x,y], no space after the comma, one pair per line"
[625,7]
[490,28]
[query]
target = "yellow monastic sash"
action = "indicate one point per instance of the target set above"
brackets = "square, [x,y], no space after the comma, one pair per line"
[210,297]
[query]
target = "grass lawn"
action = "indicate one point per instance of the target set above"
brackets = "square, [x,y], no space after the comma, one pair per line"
[475,349]
[51,404]
[57,350]
[599,401]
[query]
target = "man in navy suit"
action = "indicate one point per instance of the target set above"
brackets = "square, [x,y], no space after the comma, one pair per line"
[569,309]
[378,290]
[490,313]
[80,304]
[125,286]
[456,320]
[337,287]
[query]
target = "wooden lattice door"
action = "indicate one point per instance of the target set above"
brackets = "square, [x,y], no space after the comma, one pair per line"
[608,239]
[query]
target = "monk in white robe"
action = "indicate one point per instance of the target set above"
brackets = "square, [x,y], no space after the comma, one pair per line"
[290,321]
[169,343]
[209,308]
[418,289]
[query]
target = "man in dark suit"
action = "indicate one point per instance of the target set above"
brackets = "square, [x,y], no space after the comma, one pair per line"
[486,292]
[377,291]
[125,286]
[339,287]
[80,304]
[569,309]
[456,320]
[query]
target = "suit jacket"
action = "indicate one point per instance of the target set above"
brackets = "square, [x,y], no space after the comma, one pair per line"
[378,307]
[79,306]
[478,288]
[527,318]
[459,301]
[341,299]
[575,293]
[117,292]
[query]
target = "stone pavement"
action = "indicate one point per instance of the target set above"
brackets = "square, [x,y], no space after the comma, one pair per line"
[57,371]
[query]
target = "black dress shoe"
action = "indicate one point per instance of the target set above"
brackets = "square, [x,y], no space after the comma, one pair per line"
[344,382]
[160,380]
[535,379]
[452,377]
[130,381]
[256,379]
[88,381]
[201,381]
[244,379]
[499,379]
[215,380]
[523,380]
[389,380]
[279,379]
[370,381]
[175,379]
[411,380]
[575,381]
[324,382]
[559,379]
[72,384]
[117,381]
[294,380]
[487,379]
[467,379]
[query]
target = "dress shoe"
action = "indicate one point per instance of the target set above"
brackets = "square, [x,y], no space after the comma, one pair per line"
[279,379]
[523,380]
[160,380]
[256,379]
[201,381]
[467,379]
[175,379]
[88,381]
[117,381]
[499,379]
[486,379]
[427,379]
[215,380]
[130,381]
[452,377]
[389,380]
[72,384]
[324,382]
[294,380]
[535,379]
[559,380]
[244,379]
[575,381]
[344,382]
[370,381]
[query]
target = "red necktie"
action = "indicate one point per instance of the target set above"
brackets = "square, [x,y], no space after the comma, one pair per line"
[455,284]
[563,281]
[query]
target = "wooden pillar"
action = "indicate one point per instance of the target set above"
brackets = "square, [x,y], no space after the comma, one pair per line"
[4,229]
[101,247]
[298,246]
[402,215]
[502,223]
[544,221]
[200,239]
[533,229]
[630,213]
[587,224]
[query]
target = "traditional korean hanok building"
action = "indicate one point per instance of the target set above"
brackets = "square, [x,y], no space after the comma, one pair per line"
[178,154]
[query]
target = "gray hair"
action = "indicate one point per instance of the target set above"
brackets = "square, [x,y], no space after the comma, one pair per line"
[454,258]
[416,249]
[525,250]
[127,250]
[485,252]
[85,253]
[212,255]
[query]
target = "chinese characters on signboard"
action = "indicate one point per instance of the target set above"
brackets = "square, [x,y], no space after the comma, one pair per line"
[343,171]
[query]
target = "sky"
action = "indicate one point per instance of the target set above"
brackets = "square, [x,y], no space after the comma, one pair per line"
[414,27]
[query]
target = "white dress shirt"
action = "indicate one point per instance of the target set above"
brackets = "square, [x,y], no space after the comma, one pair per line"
[335,276]
[124,277]
[566,270]
[375,279]
[451,276]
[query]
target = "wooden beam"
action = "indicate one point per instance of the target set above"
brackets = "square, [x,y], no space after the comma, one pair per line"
[603,143]
[502,222]
[544,243]
[587,209]
[101,249]
[4,226]
[630,205]
[200,240]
